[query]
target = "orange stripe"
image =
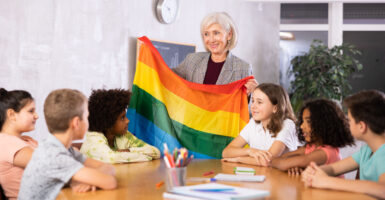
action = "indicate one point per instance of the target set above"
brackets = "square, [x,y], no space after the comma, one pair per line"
[198,94]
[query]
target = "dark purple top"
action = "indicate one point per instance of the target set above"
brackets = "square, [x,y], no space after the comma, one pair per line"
[212,72]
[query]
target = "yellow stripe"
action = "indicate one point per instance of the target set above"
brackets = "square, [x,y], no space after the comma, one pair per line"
[219,123]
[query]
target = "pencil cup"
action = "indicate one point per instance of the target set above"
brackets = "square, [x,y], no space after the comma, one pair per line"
[175,177]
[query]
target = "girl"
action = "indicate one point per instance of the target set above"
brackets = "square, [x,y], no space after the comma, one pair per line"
[17,115]
[324,128]
[109,140]
[366,114]
[269,133]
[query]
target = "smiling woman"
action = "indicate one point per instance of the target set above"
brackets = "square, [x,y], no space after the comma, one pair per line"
[218,65]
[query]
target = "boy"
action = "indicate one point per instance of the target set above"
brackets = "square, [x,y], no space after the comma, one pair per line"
[366,113]
[54,162]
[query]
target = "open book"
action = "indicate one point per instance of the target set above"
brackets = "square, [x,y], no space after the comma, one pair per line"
[219,191]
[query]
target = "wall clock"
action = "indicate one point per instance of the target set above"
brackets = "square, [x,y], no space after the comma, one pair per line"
[167,11]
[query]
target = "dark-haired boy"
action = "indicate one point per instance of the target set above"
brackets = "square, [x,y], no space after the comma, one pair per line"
[54,163]
[366,113]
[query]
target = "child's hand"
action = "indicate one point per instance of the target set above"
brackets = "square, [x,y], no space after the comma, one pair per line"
[263,157]
[313,176]
[295,171]
[235,159]
[81,187]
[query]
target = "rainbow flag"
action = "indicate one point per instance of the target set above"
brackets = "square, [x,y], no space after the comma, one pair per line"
[165,108]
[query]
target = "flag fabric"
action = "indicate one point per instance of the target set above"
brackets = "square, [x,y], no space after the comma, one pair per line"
[165,108]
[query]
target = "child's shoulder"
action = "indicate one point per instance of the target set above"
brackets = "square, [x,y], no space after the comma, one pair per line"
[288,124]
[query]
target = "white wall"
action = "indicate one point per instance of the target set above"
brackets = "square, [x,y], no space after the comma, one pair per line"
[84,44]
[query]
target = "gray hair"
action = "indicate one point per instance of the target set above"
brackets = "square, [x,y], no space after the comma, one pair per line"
[226,22]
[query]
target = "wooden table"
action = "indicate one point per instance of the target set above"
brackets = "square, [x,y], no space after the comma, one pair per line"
[138,181]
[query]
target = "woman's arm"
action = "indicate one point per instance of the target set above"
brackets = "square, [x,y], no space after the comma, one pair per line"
[317,178]
[318,156]
[235,148]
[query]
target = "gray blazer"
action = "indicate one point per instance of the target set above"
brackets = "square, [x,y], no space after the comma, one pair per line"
[194,67]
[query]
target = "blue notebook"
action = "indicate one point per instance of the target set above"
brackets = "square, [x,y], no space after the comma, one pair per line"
[219,191]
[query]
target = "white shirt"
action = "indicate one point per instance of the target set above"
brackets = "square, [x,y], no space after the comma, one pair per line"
[258,138]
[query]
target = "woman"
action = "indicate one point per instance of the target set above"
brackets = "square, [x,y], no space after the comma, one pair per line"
[217,66]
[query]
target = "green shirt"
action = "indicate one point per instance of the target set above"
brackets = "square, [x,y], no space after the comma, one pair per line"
[96,146]
[371,166]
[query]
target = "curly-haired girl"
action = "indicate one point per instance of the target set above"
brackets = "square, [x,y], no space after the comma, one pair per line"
[108,139]
[324,128]
[269,133]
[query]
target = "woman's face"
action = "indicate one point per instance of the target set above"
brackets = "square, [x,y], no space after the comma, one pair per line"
[121,124]
[305,126]
[26,117]
[261,107]
[215,39]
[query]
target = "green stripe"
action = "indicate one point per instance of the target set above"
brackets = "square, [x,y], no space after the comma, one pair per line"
[195,140]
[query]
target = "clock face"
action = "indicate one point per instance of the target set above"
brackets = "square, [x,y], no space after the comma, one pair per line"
[167,10]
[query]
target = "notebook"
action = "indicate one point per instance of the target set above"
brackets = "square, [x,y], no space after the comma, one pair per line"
[235,177]
[219,191]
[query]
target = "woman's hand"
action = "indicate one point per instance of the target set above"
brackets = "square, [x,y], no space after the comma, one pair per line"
[250,85]
[313,176]
[295,171]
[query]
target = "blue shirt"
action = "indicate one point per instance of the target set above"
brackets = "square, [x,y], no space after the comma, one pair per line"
[371,166]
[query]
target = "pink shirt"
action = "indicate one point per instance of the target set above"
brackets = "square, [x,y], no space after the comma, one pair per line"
[332,153]
[10,175]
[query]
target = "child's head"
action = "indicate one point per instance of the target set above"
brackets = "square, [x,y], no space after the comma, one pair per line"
[108,111]
[271,105]
[322,122]
[64,109]
[367,107]
[20,106]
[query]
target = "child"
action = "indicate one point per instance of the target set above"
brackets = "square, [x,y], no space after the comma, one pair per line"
[366,114]
[269,133]
[54,162]
[17,115]
[108,139]
[324,128]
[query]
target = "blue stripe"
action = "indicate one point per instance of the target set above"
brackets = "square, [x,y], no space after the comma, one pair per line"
[151,134]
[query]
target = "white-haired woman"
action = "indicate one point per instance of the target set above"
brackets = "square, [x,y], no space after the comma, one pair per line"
[218,65]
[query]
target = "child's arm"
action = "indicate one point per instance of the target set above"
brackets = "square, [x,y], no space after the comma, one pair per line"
[284,163]
[299,151]
[235,148]
[316,177]
[129,143]
[103,167]
[245,160]
[341,167]
[22,157]
[95,177]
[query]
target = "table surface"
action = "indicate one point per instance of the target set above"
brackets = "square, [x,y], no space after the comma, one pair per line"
[138,181]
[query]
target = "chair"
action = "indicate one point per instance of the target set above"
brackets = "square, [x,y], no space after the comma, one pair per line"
[2,195]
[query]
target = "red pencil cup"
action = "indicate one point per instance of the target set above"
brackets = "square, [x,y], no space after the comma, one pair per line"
[175,177]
